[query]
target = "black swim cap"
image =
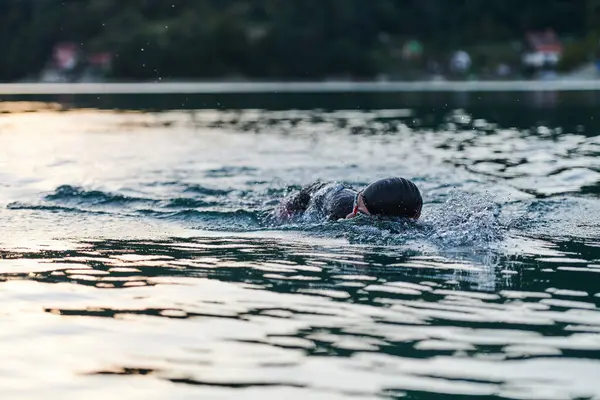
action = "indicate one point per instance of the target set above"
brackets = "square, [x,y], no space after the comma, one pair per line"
[394,197]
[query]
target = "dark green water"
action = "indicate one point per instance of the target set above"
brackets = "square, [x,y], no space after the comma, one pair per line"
[138,259]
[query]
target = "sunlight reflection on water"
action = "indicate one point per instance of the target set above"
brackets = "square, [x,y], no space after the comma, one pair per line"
[136,257]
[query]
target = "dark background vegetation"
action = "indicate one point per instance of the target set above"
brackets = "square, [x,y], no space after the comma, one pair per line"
[283,39]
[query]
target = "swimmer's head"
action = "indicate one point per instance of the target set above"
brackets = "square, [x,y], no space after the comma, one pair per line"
[393,197]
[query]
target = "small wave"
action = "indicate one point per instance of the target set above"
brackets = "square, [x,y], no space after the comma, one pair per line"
[559,217]
[199,189]
[40,207]
[211,220]
[227,172]
[187,203]
[97,197]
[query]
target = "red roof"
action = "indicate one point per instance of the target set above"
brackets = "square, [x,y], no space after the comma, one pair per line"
[546,42]
[100,58]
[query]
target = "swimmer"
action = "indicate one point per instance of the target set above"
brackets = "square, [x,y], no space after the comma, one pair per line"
[389,197]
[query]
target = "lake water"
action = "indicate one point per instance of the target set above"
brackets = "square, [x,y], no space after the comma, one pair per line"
[137,259]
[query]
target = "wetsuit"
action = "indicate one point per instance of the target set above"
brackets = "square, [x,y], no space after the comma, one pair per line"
[328,200]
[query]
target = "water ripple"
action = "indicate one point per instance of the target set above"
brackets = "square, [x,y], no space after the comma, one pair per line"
[148,264]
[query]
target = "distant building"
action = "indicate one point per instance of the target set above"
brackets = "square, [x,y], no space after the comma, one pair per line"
[65,56]
[543,50]
[69,63]
[98,67]
[63,64]
[101,60]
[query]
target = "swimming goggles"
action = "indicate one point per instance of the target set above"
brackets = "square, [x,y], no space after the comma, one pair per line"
[355,209]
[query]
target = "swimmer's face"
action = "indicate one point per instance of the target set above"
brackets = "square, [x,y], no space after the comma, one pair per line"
[359,207]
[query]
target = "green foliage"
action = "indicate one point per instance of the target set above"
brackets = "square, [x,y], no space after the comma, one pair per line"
[579,52]
[277,39]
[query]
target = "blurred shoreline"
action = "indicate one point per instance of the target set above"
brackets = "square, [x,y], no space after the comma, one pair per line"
[215,87]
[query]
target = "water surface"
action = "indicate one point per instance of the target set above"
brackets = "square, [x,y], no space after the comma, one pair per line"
[138,258]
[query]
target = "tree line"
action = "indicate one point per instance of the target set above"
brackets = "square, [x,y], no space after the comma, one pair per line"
[270,39]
